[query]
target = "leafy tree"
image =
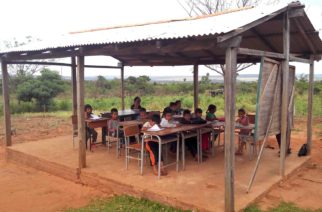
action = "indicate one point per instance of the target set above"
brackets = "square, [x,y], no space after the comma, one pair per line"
[43,88]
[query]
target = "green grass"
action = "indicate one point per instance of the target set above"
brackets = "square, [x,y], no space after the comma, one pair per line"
[282,207]
[243,100]
[124,203]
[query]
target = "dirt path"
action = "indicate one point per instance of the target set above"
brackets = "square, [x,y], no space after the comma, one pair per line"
[26,189]
[305,187]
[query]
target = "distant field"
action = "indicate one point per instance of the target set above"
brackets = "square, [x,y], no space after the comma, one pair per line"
[247,101]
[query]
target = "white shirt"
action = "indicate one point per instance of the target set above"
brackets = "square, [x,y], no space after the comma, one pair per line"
[166,123]
[147,125]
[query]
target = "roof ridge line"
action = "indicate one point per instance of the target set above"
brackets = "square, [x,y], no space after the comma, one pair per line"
[164,21]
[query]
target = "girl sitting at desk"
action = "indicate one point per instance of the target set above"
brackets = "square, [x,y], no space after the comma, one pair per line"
[153,147]
[88,112]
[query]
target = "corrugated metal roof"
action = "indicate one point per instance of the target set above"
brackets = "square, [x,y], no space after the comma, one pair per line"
[213,25]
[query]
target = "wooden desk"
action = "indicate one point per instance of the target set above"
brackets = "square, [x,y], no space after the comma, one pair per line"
[130,123]
[176,130]
[98,123]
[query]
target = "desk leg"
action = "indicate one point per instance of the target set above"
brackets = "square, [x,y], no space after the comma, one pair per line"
[159,162]
[178,150]
[104,130]
[142,154]
[198,146]
[183,152]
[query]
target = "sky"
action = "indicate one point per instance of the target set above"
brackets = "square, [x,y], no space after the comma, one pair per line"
[46,19]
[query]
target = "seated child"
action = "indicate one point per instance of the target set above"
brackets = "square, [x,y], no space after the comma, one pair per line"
[88,111]
[153,147]
[191,143]
[113,125]
[210,114]
[242,120]
[143,116]
[178,110]
[166,121]
[206,136]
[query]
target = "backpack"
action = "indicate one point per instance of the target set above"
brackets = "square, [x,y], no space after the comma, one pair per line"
[303,150]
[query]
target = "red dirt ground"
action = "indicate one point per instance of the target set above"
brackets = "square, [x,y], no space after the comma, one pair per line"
[27,189]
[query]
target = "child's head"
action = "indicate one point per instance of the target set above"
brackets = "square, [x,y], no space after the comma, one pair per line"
[187,115]
[178,104]
[155,119]
[88,108]
[212,108]
[172,105]
[167,114]
[114,113]
[143,113]
[198,112]
[137,100]
[241,112]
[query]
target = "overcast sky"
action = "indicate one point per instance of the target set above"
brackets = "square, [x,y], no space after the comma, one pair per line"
[45,19]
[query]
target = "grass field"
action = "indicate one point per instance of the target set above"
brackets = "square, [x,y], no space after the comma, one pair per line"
[127,203]
[247,101]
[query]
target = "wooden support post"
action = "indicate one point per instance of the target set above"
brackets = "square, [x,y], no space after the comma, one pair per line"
[310,106]
[122,86]
[80,112]
[74,90]
[285,95]
[230,89]
[6,103]
[195,86]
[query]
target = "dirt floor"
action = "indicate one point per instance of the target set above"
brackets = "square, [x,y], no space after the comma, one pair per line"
[33,190]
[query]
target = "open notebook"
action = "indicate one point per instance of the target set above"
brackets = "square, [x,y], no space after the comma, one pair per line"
[155,128]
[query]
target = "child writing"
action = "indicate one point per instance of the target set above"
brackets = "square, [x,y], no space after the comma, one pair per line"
[167,119]
[243,121]
[153,147]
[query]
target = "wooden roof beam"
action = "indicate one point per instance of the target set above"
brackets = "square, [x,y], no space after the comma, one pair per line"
[304,35]
[264,40]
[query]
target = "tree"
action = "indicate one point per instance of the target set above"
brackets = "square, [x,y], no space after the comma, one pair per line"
[206,7]
[43,88]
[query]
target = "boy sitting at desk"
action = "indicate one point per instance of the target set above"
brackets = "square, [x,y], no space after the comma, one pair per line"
[88,112]
[191,143]
[143,116]
[113,125]
[206,136]
[153,147]
[243,121]
[167,122]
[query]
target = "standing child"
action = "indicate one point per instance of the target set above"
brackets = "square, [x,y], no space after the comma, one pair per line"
[153,147]
[243,121]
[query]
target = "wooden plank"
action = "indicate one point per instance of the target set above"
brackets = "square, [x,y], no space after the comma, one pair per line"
[285,98]
[80,112]
[299,59]
[6,103]
[230,90]
[39,63]
[58,64]
[74,89]
[310,106]
[264,40]
[122,87]
[259,53]
[195,86]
